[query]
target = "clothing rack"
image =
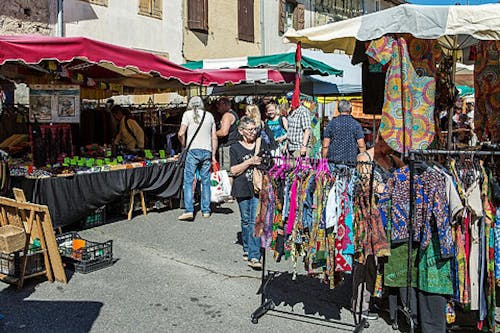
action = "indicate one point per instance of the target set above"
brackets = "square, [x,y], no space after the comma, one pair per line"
[406,310]
[267,304]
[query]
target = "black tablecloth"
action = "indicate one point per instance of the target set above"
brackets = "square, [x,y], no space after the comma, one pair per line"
[72,198]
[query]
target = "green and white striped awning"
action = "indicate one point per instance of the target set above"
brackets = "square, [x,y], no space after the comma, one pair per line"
[280,61]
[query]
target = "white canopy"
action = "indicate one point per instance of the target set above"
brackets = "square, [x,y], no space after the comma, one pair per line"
[456,27]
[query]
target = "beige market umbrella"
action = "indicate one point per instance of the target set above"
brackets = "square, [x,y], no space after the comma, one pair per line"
[455,27]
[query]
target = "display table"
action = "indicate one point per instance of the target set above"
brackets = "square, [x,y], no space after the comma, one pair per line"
[72,198]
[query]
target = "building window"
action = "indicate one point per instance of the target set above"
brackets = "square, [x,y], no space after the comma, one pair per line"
[377,5]
[291,15]
[198,15]
[97,2]
[152,8]
[245,20]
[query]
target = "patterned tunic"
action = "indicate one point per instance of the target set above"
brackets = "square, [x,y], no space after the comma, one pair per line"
[408,110]
[487,91]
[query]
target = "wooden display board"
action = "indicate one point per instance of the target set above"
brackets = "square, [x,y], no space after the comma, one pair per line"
[35,220]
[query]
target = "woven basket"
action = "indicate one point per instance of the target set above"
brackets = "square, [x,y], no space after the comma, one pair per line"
[12,239]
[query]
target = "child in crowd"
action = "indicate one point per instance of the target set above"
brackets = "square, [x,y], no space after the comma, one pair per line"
[278,125]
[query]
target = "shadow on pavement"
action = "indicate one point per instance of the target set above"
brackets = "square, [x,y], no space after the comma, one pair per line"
[22,315]
[222,210]
[312,295]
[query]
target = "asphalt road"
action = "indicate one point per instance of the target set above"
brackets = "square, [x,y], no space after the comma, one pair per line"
[175,276]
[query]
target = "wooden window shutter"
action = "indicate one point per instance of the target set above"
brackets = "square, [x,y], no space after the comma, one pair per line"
[198,15]
[145,7]
[298,17]
[245,20]
[282,18]
[157,8]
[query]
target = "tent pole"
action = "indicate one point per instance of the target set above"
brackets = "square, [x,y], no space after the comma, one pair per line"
[60,32]
[374,137]
[449,142]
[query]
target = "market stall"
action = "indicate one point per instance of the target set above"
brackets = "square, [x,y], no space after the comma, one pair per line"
[438,252]
[57,167]
[63,156]
[72,198]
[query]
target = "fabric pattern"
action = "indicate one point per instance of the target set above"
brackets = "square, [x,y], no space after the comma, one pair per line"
[343,262]
[434,273]
[424,55]
[489,289]
[436,213]
[395,270]
[431,208]
[497,246]
[408,111]
[487,91]
[298,121]
[343,132]
[371,237]
[315,137]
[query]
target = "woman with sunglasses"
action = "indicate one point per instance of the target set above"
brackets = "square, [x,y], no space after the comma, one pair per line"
[243,161]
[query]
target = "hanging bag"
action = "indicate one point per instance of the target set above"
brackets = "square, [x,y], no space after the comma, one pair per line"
[257,174]
[182,156]
[220,186]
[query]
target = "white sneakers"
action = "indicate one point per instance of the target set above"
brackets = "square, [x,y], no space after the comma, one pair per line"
[186,217]
[255,264]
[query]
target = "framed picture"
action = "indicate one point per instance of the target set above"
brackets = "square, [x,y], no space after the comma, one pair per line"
[55,103]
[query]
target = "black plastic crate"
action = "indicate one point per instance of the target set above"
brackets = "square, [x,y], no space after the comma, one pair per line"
[97,218]
[91,257]
[10,264]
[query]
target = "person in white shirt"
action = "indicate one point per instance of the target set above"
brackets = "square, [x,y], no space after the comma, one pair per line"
[200,156]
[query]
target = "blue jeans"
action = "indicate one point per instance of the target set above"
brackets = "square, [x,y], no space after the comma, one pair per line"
[197,159]
[248,211]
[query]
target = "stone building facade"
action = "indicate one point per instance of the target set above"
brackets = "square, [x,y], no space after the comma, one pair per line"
[329,11]
[28,17]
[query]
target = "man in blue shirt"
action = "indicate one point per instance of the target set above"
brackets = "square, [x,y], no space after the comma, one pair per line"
[343,137]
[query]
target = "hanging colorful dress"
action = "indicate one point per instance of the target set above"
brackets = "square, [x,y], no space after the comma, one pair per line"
[487,91]
[408,111]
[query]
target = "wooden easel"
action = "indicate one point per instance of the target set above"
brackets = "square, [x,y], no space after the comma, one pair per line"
[36,222]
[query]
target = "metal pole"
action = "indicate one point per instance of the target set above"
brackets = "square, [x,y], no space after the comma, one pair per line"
[60,18]
[262,29]
[450,111]
[374,132]
[407,306]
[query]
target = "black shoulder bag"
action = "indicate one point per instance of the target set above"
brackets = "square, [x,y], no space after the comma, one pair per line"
[182,156]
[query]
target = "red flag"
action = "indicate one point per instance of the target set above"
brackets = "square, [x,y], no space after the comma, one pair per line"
[298,74]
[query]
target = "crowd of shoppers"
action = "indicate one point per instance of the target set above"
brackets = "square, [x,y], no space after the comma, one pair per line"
[242,144]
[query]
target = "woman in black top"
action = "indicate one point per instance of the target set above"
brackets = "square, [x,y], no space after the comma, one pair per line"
[243,161]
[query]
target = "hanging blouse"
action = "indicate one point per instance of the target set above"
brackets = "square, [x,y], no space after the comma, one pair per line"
[488,278]
[434,274]
[408,111]
[431,206]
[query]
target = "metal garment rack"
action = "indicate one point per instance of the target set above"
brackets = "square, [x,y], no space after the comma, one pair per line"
[267,304]
[406,309]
